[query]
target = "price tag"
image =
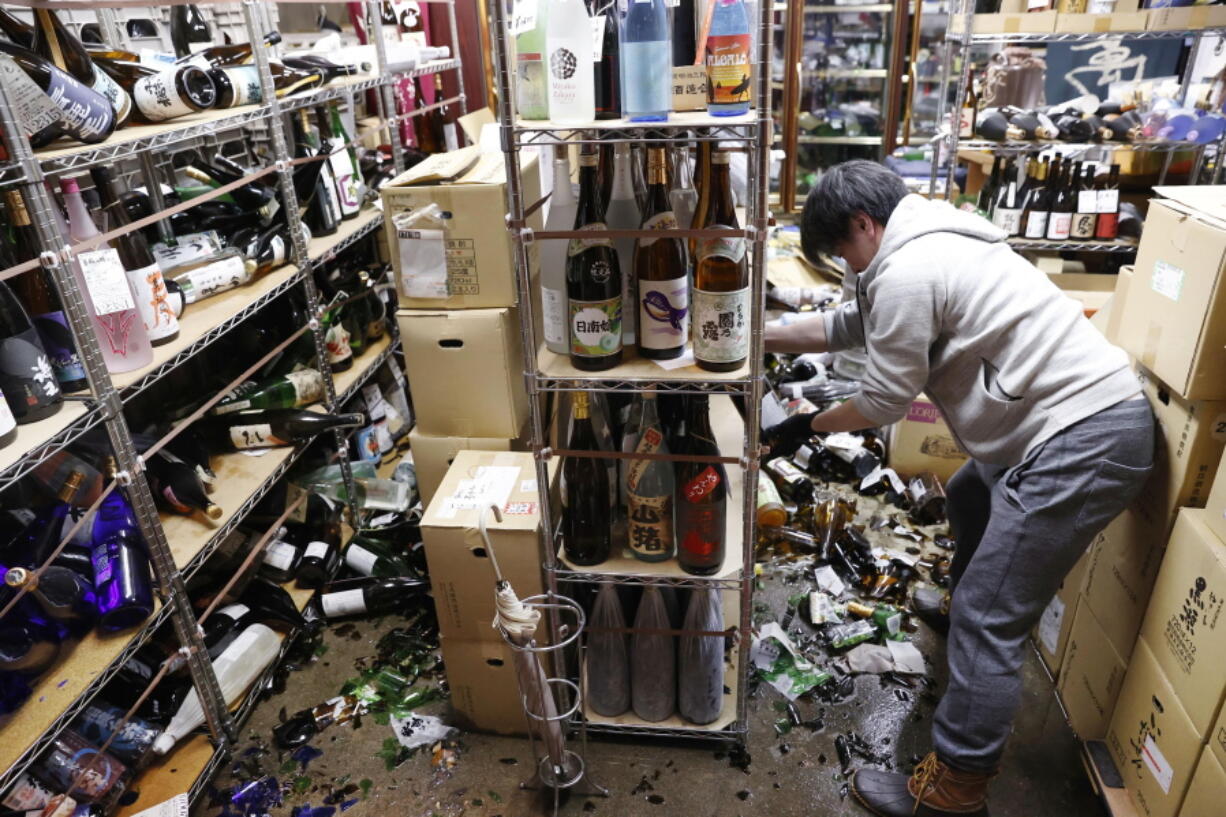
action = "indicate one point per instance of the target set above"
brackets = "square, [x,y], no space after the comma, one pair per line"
[597,37]
[523,18]
[106,281]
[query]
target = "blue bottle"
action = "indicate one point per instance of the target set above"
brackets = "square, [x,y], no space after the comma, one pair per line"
[729,69]
[647,65]
[121,565]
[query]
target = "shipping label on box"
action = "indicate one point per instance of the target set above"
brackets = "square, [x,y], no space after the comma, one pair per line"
[921,441]
[1208,787]
[1151,738]
[1124,561]
[1185,624]
[432,456]
[1052,631]
[1090,677]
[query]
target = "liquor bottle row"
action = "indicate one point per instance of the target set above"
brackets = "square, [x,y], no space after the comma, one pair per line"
[1108,122]
[1056,199]
[579,60]
[657,509]
[85,93]
[670,663]
[599,295]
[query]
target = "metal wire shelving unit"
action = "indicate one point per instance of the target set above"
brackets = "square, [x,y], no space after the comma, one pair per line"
[960,33]
[179,546]
[545,372]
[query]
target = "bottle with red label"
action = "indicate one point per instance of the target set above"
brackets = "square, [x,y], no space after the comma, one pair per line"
[729,67]
[701,500]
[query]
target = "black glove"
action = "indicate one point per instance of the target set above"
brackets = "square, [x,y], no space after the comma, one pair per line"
[784,438]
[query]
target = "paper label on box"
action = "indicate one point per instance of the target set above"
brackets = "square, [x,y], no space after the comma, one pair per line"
[1157,764]
[423,263]
[519,509]
[527,486]
[1049,625]
[1167,280]
[1218,429]
[492,485]
[921,412]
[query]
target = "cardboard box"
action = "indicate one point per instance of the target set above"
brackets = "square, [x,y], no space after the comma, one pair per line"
[461,574]
[1091,677]
[465,371]
[1124,562]
[1094,23]
[1091,290]
[922,441]
[432,456]
[1052,631]
[1151,739]
[1115,317]
[1185,624]
[1215,505]
[479,252]
[1036,23]
[1174,318]
[484,687]
[1187,17]
[1217,737]
[1208,787]
[1189,449]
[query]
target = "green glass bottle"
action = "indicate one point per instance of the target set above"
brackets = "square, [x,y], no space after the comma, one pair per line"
[290,390]
[370,557]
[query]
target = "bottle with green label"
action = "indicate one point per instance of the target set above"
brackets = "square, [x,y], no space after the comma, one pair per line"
[593,280]
[291,390]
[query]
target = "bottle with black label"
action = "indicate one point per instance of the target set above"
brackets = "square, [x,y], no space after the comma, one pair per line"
[593,281]
[26,376]
[144,274]
[55,43]
[720,316]
[51,102]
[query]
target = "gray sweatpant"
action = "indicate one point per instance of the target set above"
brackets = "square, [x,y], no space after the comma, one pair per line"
[1019,531]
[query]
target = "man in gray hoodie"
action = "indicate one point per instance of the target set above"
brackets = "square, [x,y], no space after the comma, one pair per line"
[1061,439]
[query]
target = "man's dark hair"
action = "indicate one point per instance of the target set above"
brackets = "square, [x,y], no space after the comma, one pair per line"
[858,186]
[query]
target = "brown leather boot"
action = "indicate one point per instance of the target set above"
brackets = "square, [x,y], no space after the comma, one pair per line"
[934,789]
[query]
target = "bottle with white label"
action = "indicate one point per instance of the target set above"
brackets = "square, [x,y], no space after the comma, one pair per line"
[281,560]
[719,322]
[268,428]
[568,44]
[623,214]
[319,560]
[295,389]
[1085,220]
[1007,214]
[213,276]
[105,289]
[236,668]
[593,281]
[370,595]
[367,556]
[144,274]
[562,207]
[661,272]
[160,94]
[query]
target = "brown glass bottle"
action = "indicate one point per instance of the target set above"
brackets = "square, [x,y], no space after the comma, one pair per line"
[662,273]
[720,314]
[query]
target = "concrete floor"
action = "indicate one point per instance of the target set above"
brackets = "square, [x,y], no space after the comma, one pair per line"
[794,774]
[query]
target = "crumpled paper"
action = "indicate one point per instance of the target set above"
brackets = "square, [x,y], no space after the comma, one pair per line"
[419,730]
[896,656]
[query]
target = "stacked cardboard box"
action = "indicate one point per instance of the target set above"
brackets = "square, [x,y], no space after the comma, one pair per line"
[1162,314]
[480,669]
[456,278]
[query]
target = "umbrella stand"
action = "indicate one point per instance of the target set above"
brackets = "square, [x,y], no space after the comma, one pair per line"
[550,701]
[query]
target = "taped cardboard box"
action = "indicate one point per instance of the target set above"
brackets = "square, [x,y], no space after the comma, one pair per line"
[1208,787]
[1185,623]
[1124,561]
[1097,23]
[461,574]
[471,263]
[1174,317]
[1189,449]
[1151,738]
[1091,677]
[465,370]
[1037,23]
[1091,290]
[922,441]
[483,685]
[1187,18]
[432,456]
[1052,631]
[1215,505]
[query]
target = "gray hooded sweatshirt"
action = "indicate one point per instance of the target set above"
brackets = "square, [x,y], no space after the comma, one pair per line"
[947,308]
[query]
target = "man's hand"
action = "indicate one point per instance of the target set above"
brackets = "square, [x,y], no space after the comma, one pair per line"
[784,438]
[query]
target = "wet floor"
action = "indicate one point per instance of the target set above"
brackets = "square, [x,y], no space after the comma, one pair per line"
[787,775]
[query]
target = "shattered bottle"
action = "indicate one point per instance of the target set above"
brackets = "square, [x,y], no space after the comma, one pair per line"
[927,499]
[608,660]
[771,513]
[653,660]
[700,659]
[790,480]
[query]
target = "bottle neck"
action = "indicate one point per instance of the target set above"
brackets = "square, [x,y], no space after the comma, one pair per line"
[590,210]
[721,209]
[698,420]
[623,185]
[651,416]
[563,193]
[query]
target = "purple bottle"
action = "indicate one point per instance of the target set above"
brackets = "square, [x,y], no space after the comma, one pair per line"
[121,563]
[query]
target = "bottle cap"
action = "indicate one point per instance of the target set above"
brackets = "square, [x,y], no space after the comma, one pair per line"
[213,511]
[720,157]
[164,743]
[72,484]
[17,576]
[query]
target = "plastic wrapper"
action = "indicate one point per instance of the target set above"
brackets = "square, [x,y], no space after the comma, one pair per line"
[608,664]
[653,660]
[700,659]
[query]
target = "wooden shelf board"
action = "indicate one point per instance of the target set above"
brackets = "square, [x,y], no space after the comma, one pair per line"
[632,367]
[361,366]
[32,435]
[173,774]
